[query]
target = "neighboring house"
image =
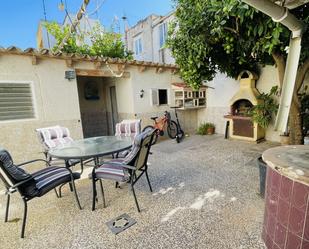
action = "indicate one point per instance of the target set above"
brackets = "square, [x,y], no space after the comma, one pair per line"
[147,39]
[47,41]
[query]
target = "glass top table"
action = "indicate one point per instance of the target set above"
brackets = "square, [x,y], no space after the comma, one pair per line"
[91,147]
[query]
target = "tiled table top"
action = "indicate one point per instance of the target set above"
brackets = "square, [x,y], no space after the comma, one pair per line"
[291,161]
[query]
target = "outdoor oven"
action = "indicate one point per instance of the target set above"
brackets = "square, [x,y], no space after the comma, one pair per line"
[241,123]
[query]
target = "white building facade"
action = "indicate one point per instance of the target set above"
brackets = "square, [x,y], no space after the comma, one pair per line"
[147,39]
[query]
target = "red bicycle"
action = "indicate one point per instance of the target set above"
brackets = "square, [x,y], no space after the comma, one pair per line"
[160,124]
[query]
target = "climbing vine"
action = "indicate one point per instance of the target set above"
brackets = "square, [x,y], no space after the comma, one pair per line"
[96,42]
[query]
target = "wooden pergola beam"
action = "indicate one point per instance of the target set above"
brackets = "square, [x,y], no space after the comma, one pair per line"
[34,60]
[121,67]
[142,69]
[69,62]
[159,69]
[98,64]
[100,73]
[174,71]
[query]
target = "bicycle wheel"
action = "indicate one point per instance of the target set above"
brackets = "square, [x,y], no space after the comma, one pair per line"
[155,137]
[172,129]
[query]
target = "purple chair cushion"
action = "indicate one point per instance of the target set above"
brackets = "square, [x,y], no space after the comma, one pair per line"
[112,171]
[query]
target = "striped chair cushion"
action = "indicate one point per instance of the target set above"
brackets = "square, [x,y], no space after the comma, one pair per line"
[51,137]
[120,129]
[112,171]
[12,174]
[128,127]
[50,177]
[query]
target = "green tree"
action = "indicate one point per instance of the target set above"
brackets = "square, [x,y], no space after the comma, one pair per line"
[229,36]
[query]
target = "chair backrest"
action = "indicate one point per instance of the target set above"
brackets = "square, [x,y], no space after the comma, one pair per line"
[52,136]
[140,150]
[128,127]
[11,174]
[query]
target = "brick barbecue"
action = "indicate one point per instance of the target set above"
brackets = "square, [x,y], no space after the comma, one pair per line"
[241,125]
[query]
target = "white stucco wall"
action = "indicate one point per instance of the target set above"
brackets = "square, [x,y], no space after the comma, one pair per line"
[225,88]
[55,100]
[142,106]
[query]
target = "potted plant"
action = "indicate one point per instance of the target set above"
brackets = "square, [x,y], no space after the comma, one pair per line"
[263,112]
[262,170]
[285,138]
[206,129]
[210,128]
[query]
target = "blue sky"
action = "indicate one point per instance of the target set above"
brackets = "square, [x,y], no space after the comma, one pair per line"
[19,18]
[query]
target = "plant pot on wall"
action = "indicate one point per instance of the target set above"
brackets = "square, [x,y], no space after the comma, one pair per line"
[210,130]
[285,139]
[206,129]
[262,170]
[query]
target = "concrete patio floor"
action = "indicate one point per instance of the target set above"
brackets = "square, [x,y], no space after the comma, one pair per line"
[205,196]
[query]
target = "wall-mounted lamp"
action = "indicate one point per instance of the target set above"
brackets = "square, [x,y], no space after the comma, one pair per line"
[70,75]
[141,93]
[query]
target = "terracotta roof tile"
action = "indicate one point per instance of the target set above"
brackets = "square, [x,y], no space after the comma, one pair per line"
[48,53]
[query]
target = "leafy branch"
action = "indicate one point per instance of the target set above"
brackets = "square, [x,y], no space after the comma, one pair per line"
[264,111]
[96,42]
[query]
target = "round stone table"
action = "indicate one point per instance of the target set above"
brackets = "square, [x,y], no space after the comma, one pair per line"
[286,217]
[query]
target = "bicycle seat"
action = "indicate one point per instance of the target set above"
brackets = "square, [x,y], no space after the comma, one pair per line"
[154,118]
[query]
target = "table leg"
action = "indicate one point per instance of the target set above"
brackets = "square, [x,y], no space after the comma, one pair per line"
[67,165]
[97,163]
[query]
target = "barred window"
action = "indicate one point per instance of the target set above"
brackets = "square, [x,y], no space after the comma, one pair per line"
[16,101]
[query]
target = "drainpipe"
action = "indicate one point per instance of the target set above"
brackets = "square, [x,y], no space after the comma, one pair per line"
[282,15]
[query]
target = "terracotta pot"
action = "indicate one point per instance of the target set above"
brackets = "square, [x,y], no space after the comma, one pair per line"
[210,130]
[285,140]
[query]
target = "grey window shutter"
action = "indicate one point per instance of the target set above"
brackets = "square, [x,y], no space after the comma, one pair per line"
[154,95]
[16,101]
[169,96]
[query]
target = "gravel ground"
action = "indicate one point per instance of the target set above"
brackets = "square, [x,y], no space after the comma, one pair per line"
[205,196]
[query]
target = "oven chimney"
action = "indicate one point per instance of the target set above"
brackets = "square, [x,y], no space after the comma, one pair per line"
[247,90]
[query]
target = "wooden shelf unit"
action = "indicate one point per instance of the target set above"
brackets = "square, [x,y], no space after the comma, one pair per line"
[187,98]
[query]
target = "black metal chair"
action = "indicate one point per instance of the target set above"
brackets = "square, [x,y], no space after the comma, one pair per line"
[129,169]
[32,185]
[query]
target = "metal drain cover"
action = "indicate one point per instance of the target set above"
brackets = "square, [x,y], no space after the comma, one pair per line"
[120,223]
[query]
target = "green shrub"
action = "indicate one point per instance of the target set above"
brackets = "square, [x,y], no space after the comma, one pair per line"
[202,129]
